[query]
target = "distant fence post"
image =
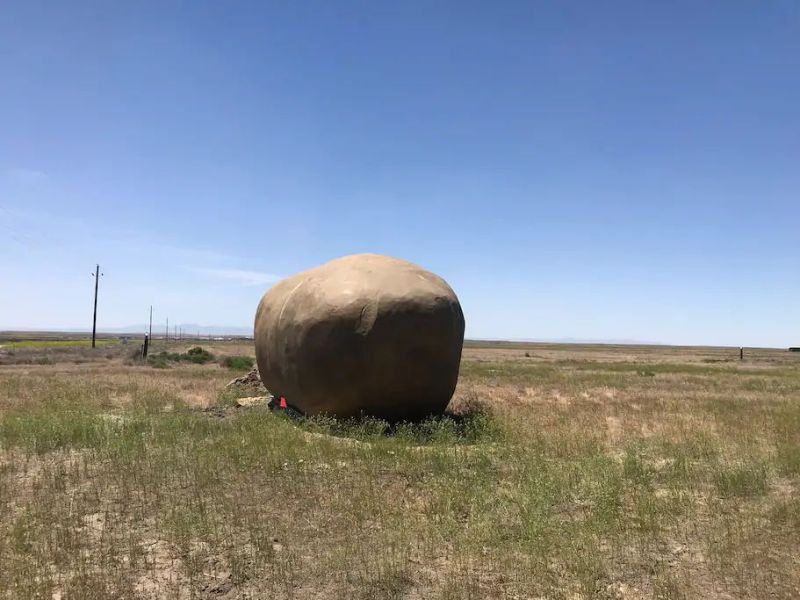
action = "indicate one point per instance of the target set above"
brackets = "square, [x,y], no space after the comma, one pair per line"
[741,353]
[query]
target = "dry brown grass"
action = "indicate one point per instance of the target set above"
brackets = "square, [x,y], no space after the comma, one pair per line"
[601,472]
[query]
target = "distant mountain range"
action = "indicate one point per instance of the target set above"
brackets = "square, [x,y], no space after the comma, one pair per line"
[189,329]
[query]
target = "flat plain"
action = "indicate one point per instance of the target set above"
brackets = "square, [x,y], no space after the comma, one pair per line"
[566,471]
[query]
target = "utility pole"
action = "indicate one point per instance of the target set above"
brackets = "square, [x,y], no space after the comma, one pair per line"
[151,322]
[96,276]
[166,336]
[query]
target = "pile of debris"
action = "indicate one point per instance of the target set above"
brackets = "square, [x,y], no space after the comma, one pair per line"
[249,383]
[260,396]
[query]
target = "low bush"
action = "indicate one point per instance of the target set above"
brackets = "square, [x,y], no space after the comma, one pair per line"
[195,355]
[198,355]
[242,363]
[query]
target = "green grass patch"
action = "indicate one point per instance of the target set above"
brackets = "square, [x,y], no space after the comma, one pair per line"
[788,459]
[447,430]
[238,363]
[43,431]
[196,355]
[43,344]
[741,481]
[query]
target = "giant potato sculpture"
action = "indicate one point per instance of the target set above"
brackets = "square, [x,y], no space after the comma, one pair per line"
[361,335]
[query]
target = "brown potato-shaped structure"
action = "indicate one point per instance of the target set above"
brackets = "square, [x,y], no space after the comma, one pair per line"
[361,335]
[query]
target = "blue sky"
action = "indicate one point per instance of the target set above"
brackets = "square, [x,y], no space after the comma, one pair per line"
[592,170]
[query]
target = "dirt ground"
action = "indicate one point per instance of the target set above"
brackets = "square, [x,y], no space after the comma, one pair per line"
[582,471]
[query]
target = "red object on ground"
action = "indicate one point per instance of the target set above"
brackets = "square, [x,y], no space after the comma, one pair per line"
[283,402]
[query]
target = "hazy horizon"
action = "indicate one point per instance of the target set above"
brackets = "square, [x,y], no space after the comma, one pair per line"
[191,330]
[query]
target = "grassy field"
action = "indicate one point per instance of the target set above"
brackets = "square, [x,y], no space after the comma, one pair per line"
[576,472]
[79,343]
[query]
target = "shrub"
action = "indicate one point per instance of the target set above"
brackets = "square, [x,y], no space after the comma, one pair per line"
[242,363]
[197,355]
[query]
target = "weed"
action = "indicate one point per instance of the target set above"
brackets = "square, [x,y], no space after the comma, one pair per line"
[741,481]
[195,355]
[239,363]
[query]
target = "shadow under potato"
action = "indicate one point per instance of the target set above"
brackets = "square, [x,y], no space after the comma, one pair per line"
[467,425]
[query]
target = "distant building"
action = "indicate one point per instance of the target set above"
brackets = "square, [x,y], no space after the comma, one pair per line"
[795,349]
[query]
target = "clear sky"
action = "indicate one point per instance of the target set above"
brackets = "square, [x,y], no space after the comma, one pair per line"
[593,170]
